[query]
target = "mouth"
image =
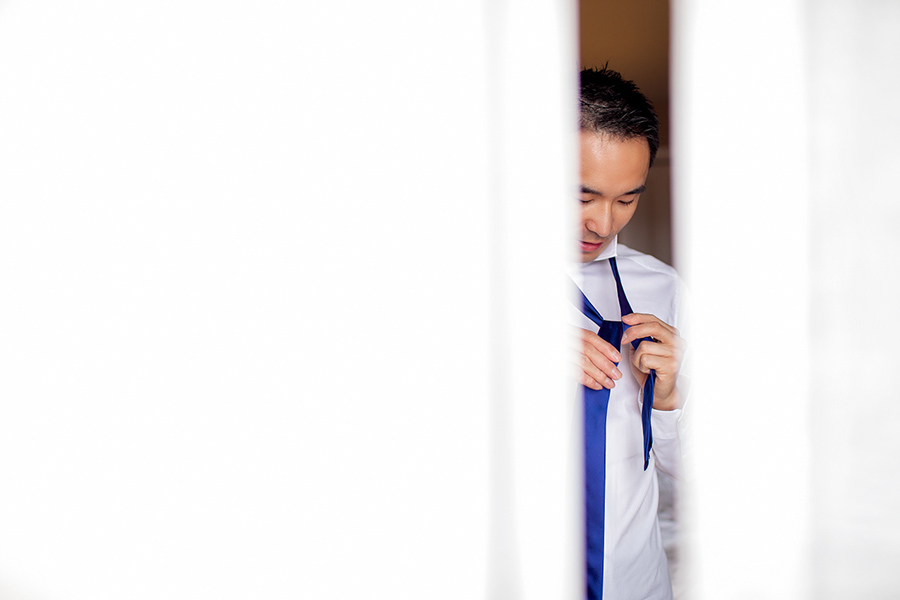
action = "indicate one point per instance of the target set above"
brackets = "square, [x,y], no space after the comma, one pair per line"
[588,247]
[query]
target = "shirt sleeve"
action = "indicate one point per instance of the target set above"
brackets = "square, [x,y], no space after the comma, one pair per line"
[669,425]
[667,441]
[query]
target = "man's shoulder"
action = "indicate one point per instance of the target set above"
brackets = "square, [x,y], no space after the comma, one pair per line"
[629,258]
[652,286]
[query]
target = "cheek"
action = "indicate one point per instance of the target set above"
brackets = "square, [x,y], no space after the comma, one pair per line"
[623,215]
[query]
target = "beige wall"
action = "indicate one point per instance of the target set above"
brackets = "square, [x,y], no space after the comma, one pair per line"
[633,38]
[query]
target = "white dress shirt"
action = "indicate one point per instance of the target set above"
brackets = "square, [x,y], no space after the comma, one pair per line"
[634,559]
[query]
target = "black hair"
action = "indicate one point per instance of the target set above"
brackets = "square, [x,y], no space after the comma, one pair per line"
[616,107]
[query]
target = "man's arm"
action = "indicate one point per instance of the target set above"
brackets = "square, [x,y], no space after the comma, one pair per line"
[665,355]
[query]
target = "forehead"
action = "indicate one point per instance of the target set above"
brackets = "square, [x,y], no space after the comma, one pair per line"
[613,165]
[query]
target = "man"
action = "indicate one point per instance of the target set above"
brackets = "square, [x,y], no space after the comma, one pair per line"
[625,556]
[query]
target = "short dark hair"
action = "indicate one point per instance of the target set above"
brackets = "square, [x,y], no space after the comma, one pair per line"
[616,107]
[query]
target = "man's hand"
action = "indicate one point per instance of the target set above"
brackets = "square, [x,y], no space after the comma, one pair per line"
[596,357]
[663,355]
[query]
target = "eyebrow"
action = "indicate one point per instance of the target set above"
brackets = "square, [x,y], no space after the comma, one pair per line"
[638,190]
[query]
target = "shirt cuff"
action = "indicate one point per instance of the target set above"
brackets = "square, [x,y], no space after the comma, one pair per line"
[665,423]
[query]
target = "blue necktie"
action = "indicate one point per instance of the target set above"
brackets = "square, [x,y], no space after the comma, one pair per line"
[596,403]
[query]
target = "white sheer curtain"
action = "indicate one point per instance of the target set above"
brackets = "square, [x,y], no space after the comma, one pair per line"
[784,159]
[740,179]
[855,268]
[279,295]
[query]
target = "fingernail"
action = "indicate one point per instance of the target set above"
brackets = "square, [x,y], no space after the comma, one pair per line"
[617,374]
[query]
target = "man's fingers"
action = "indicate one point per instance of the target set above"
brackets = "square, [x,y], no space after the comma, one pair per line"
[598,360]
[603,375]
[640,318]
[595,344]
[654,331]
[660,357]
[590,382]
[602,363]
[666,367]
[648,326]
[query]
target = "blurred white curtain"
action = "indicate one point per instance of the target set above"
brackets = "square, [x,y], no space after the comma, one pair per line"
[784,159]
[279,300]
[855,81]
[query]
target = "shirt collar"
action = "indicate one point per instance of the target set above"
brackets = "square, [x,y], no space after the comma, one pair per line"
[609,251]
[575,269]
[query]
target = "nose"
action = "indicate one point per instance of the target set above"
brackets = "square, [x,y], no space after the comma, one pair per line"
[597,218]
